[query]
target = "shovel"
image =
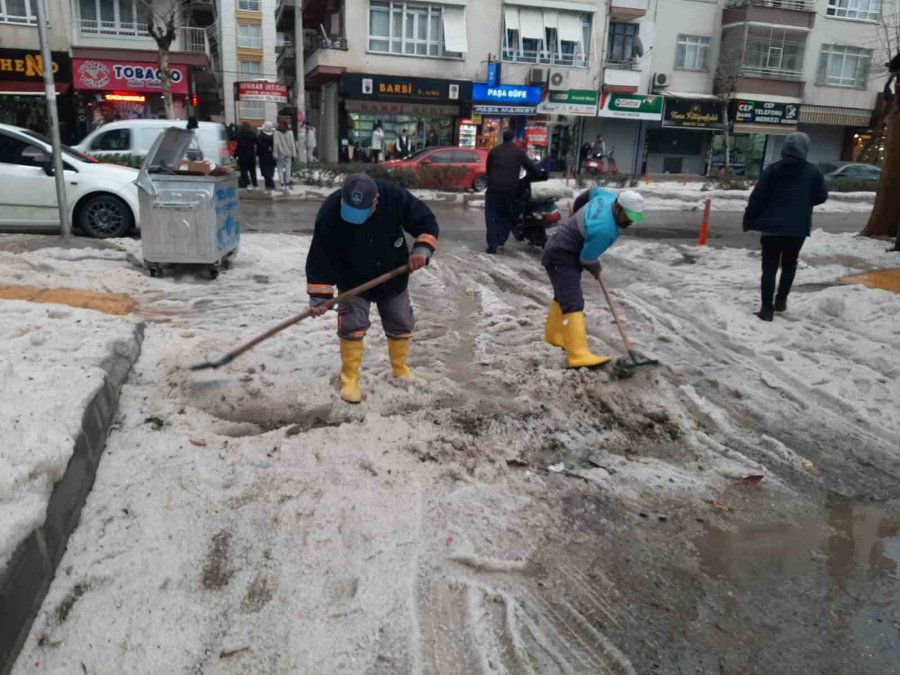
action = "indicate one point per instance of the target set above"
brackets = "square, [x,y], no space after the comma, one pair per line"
[343,297]
[624,367]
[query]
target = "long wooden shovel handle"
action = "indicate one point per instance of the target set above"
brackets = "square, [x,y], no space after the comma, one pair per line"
[287,323]
[615,314]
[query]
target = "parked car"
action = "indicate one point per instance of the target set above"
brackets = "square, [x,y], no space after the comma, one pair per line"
[135,138]
[472,159]
[102,198]
[851,171]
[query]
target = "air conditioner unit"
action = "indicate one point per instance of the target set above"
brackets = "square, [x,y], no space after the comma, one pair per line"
[661,81]
[558,80]
[537,76]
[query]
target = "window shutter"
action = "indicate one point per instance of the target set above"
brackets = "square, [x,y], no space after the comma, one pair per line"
[823,68]
[865,67]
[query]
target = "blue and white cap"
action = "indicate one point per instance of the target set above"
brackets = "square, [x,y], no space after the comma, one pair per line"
[358,197]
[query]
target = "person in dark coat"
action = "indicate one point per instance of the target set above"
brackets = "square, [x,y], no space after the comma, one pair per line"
[504,164]
[246,156]
[781,208]
[265,150]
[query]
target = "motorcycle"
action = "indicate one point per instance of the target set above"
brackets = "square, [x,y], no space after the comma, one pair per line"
[601,164]
[536,216]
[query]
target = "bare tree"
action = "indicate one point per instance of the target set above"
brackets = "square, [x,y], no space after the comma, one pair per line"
[164,18]
[885,216]
[728,72]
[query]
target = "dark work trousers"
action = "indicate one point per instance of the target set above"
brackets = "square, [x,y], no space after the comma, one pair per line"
[779,251]
[564,271]
[248,172]
[267,169]
[499,216]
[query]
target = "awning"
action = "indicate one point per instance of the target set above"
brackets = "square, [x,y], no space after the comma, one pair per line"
[455,29]
[841,117]
[13,88]
[511,14]
[570,28]
[767,129]
[531,23]
[402,108]
[690,95]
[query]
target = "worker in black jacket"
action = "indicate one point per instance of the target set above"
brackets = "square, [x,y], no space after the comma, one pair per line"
[359,235]
[504,164]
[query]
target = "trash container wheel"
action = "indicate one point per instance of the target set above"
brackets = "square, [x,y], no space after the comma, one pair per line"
[155,271]
[213,273]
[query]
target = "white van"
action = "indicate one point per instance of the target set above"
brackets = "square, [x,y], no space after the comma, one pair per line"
[135,137]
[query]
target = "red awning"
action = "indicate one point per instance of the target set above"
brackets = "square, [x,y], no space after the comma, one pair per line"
[26,88]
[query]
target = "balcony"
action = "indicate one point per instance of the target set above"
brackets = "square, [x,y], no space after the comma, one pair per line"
[790,13]
[191,39]
[625,10]
[313,41]
[621,78]
[543,57]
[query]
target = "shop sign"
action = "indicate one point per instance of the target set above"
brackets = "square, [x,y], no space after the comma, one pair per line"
[578,102]
[392,88]
[766,112]
[631,107]
[267,92]
[506,110]
[120,97]
[507,94]
[23,65]
[536,136]
[692,113]
[100,75]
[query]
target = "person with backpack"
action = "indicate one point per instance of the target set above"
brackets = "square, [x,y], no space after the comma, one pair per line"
[780,207]
[285,151]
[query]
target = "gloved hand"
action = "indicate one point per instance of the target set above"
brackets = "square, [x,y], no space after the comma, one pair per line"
[317,305]
[593,268]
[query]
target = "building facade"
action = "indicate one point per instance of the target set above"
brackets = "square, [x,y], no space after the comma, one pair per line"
[659,80]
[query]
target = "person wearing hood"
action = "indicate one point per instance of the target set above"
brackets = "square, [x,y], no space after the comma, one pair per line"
[245,151]
[266,153]
[285,151]
[780,207]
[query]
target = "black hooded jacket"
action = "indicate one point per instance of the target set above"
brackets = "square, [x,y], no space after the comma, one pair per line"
[782,201]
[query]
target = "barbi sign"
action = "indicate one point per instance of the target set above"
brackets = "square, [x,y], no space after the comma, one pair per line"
[509,94]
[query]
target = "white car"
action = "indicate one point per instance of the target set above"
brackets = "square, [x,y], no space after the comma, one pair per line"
[102,198]
[136,137]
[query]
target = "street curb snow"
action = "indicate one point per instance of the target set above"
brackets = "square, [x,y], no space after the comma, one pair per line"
[25,581]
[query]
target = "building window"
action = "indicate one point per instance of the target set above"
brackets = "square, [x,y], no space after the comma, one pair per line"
[252,69]
[692,52]
[622,40]
[112,17]
[844,66]
[774,53]
[861,10]
[546,36]
[248,5]
[18,11]
[249,36]
[414,29]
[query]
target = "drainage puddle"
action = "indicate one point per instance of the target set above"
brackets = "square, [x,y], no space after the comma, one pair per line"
[826,590]
[888,280]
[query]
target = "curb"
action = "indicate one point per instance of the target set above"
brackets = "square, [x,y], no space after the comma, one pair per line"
[25,581]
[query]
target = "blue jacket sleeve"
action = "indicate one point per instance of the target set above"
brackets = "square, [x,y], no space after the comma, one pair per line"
[600,228]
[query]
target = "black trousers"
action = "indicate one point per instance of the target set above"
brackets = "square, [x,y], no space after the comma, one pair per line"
[779,252]
[565,271]
[248,172]
[500,213]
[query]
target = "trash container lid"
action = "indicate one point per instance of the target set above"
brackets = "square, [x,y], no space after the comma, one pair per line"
[169,149]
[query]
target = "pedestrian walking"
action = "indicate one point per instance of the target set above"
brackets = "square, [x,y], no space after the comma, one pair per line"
[377,142]
[504,165]
[246,156]
[595,225]
[780,207]
[311,144]
[265,150]
[285,151]
[359,235]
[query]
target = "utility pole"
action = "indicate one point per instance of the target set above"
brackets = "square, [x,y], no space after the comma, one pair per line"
[53,115]
[299,64]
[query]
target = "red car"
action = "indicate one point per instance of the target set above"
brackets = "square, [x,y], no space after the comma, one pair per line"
[473,159]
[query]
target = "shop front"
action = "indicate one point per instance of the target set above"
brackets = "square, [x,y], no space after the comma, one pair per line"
[622,121]
[681,144]
[503,106]
[565,113]
[122,89]
[22,98]
[842,134]
[756,134]
[427,108]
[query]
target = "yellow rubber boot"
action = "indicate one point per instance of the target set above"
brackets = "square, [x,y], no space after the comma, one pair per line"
[553,330]
[399,353]
[351,360]
[577,343]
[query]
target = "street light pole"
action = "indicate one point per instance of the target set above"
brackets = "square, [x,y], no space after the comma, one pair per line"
[299,64]
[53,116]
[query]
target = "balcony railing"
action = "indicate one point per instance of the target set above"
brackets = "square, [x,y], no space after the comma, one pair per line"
[772,73]
[794,5]
[634,64]
[544,57]
[314,40]
[116,28]
[193,40]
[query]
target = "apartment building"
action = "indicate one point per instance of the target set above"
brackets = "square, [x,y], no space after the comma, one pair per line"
[247,40]
[650,76]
